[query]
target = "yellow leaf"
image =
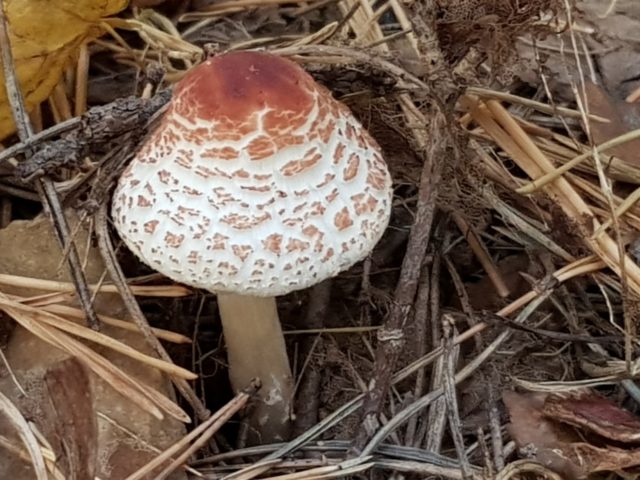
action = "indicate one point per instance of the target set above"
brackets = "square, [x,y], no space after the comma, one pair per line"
[45,35]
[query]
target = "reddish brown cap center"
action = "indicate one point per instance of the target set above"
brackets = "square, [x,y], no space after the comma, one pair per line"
[235,85]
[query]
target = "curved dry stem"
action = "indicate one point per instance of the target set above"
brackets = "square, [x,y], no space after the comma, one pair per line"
[256,349]
[31,443]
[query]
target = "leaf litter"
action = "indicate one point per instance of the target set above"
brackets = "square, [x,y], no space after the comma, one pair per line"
[504,207]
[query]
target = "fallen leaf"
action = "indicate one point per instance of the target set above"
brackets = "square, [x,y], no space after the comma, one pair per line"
[557,445]
[45,35]
[595,413]
[617,60]
[69,388]
[622,117]
[536,437]
[29,248]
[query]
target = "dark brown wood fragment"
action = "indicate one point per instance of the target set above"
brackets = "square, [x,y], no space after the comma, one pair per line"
[74,416]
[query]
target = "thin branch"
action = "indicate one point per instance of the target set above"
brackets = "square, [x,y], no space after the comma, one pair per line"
[402,416]
[449,385]
[118,278]
[49,197]
[391,336]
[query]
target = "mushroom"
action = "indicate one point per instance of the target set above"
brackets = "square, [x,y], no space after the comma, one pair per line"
[256,183]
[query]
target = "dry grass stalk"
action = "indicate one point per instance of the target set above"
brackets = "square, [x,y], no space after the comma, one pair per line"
[623,207]
[505,131]
[70,312]
[49,457]
[146,398]
[481,253]
[200,434]
[485,93]
[99,338]
[52,285]
[14,416]
[549,177]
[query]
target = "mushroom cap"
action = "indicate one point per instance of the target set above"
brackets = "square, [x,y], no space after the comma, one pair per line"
[256,181]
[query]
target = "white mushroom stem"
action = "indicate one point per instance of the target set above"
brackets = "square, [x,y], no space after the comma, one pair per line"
[256,349]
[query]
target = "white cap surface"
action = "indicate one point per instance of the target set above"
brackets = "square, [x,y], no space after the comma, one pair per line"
[257,182]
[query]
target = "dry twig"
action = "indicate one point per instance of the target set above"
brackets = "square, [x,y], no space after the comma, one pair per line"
[49,196]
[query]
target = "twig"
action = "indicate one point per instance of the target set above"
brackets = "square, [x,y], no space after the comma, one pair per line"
[464,373]
[308,391]
[489,471]
[561,336]
[436,420]
[391,336]
[49,196]
[115,272]
[449,386]
[425,436]
[420,321]
[405,78]
[482,255]
[496,435]
[51,132]
[431,430]
[202,432]
[422,470]
[463,297]
[17,192]
[114,128]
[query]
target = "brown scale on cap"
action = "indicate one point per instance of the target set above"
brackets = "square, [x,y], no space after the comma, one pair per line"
[259,169]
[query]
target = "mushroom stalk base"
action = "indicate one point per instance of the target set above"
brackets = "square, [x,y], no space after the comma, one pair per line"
[256,349]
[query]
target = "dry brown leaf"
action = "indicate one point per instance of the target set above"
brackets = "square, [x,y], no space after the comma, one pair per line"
[556,445]
[30,249]
[595,413]
[623,117]
[45,35]
[69,388]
